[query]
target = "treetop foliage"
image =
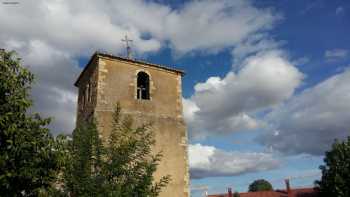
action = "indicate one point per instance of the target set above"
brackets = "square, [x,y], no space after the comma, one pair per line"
[260,185]
[28,159]
[34,163]
[122,166]
[335,179]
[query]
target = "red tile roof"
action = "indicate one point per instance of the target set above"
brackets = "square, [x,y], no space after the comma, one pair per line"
[302,192]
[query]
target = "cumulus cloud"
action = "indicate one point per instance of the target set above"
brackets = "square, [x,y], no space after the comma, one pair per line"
[309,122]
[253,45]
[69,26]
[215,24]
[100,25]
[53,92]
[208,161]
[52,35]
[229,104]
[336,54]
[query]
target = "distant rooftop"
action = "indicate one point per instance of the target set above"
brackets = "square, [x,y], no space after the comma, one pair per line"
[301,192]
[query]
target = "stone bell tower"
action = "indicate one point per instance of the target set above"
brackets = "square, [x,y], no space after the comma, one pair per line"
[147,92]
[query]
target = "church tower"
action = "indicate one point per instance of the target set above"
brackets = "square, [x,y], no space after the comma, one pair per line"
[147,92]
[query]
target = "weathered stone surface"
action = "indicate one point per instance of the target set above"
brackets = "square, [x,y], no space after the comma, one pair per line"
[115,80]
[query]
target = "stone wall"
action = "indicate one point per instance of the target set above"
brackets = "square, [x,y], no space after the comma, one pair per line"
[115,81]
[86,106]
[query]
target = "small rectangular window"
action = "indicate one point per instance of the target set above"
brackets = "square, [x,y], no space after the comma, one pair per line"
[83,98]
[89,92]
[142,86]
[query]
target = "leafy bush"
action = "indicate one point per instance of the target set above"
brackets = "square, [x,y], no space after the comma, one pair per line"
[260,185]
[336,171]
[29,161]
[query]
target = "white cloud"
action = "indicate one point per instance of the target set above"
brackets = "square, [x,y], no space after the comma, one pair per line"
[253,45]
[310,122]
[336,54]
[69,26]
[340,10]
[79,29]
[208,161]
[198,25]
[52,35]
[229,104]
[190,108]
[53,92]
[215,24]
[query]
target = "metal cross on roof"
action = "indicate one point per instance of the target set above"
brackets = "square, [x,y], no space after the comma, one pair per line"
[128,48]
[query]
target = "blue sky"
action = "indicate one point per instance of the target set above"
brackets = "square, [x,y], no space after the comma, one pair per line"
[266,87]
[307,31]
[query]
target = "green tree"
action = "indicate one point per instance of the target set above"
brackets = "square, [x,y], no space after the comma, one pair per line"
[121,166]
[335,179]
[28,158]
[236,194]
[83,163]
[260,185]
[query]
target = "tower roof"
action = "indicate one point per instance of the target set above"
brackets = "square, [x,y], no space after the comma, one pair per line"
[101,54]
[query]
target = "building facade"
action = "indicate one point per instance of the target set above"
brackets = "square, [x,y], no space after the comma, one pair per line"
[149,93]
